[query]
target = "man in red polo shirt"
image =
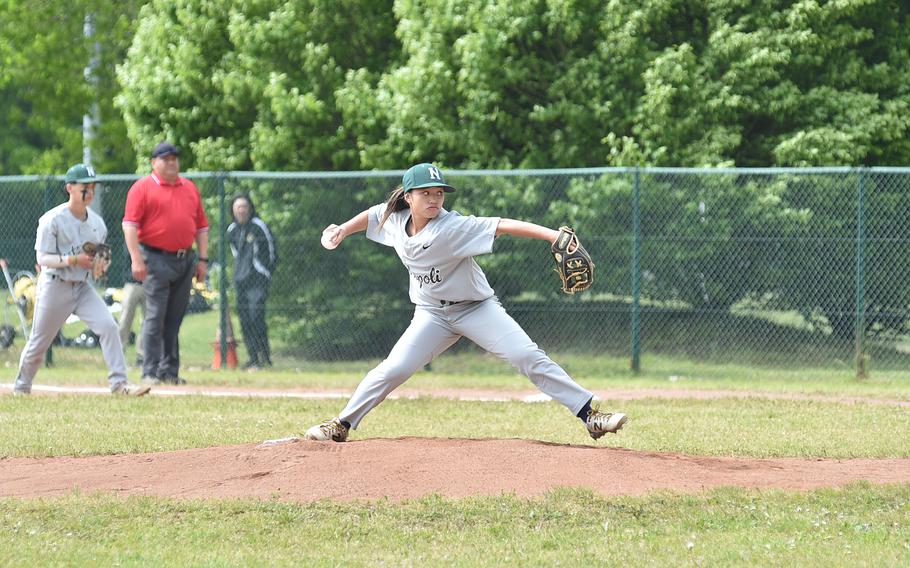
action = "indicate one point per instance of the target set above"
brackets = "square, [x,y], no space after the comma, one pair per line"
[163,218]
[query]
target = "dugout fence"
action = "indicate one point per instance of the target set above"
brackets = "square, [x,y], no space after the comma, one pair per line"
[776,267]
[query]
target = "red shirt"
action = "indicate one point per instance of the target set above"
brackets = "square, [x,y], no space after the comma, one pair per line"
[168,216]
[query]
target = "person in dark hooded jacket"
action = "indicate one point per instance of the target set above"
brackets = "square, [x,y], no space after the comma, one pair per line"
[255,258]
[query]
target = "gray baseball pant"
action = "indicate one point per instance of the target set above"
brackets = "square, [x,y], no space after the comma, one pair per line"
[133,299]
[433,330]
[56,300]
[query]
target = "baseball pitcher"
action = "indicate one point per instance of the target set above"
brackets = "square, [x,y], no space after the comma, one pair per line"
[453,298]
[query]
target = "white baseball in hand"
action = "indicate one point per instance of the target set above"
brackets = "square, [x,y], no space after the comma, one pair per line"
[331,237]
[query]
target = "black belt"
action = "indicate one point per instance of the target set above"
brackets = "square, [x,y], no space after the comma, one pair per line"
[70,282]
[447,303]
[179,253]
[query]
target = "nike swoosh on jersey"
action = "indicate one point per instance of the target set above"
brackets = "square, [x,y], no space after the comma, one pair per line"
[426,246]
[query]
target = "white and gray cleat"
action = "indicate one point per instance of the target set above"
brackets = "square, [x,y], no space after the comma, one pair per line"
[600,423]
[332,430]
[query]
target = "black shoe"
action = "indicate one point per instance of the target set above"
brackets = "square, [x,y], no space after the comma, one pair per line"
[172,380]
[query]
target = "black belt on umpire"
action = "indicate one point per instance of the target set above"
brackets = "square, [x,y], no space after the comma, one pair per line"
[179,253]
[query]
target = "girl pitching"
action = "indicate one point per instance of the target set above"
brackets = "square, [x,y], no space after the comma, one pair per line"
[452,299]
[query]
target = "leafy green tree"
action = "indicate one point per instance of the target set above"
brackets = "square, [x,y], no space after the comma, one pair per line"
[503,84]
[777,83]
[43,90]
[244,84]
[659,82]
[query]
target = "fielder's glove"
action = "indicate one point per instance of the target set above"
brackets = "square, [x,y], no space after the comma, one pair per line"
[573,263]
[101,253]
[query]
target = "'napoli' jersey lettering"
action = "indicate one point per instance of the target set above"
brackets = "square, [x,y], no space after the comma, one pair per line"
[446,270]
[432,277]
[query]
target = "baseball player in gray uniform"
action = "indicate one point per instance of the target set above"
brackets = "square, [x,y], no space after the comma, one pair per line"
[65,284]
[452,299]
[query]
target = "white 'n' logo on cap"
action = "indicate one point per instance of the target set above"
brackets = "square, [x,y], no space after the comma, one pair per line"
[90,171]
[434,173]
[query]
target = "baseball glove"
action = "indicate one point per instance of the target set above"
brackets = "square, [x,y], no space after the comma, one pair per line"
[101,253]
[573,263]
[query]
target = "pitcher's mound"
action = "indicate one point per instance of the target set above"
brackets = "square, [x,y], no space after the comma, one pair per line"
[408,468]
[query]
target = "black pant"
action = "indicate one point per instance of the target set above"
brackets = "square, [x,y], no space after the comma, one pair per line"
[167,295]
[252,293]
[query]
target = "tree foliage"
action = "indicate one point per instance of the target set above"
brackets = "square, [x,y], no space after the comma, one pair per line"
[44,92]
[779,83]
[249,84]
[314,84]
[365,84]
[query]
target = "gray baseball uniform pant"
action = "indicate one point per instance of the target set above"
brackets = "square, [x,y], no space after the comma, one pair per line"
[56,300]
[433,330]
[133,299]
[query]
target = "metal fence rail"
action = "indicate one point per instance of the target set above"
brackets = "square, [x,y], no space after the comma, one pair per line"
[764,267]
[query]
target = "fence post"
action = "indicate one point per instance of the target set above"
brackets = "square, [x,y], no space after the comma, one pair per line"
[50,185]
[636,270]
[222,273]
[860,307]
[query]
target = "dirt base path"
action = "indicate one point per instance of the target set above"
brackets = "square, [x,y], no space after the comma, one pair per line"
[467,394]
[408,468]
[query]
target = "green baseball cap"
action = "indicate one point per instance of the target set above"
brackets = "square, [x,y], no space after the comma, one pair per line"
[424,175]
[80,173]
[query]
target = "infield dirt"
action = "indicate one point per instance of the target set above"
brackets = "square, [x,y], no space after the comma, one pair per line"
[408,468]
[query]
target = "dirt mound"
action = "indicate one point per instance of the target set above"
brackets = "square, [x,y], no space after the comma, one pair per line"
[407,468]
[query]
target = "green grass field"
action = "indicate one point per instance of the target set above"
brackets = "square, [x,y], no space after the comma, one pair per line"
[857,526]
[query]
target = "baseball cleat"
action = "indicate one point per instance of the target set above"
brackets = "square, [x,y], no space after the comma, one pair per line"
[332,430]
[600,423]
[126,389]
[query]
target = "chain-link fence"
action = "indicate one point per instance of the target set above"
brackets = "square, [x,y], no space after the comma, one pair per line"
[763,267]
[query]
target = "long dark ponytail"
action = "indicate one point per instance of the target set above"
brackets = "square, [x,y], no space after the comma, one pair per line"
[393,204]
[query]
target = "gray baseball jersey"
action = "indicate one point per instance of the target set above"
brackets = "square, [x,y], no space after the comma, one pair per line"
[60,232]
[65,291]
[439,258]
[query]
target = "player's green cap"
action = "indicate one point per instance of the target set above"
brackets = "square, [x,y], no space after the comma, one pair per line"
[424,175]
[80,173]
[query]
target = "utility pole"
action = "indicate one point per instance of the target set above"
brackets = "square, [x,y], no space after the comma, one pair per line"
[92,119]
